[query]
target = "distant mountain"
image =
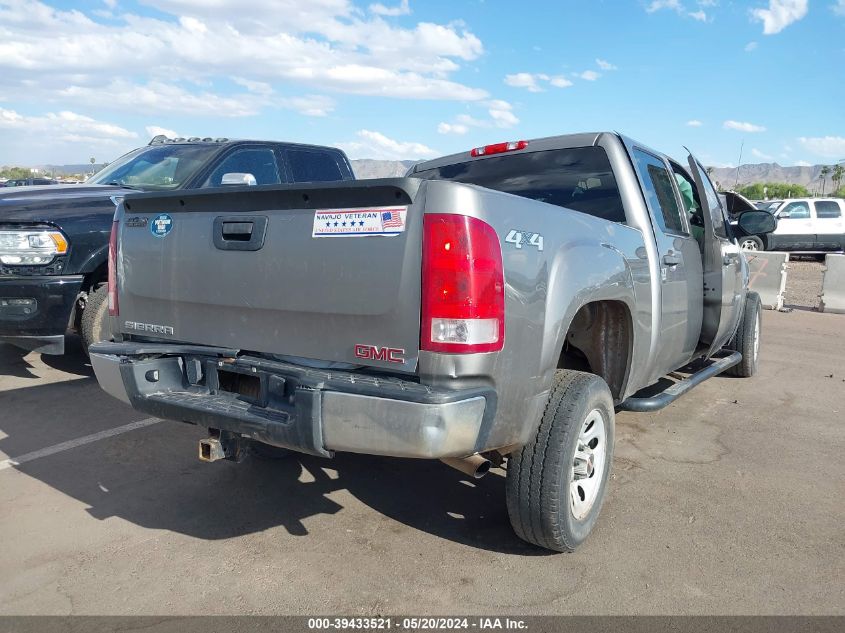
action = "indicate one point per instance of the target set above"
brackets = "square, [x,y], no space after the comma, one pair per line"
[730,177]
[369,168]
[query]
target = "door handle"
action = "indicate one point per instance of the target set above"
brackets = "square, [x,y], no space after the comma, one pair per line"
[670,259]
[238,233]
[727,260]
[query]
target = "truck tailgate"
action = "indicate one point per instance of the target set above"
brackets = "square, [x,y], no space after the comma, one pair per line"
[324,282]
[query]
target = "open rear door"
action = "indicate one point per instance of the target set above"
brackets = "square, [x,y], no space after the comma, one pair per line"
[723,288]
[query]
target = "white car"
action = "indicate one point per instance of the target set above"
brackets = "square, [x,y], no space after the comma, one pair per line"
[809,225]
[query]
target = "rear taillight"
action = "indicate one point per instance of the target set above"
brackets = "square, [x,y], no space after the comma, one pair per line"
[499,148]
[114,309]
[463,286]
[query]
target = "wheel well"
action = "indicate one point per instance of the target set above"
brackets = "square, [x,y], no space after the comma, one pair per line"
[97,276]
[599,342]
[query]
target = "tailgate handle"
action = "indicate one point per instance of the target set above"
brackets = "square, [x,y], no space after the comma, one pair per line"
[239,233]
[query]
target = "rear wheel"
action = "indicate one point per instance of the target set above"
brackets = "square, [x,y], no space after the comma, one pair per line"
[95,317]
[746,341]
[557,482]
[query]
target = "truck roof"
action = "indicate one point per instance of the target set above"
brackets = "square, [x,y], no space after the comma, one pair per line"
[562,141]
[227,142]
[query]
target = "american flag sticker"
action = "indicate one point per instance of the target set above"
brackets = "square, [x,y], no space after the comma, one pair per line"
[359,222]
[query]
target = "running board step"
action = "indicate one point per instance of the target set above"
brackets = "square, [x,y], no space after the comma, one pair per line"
[675,391]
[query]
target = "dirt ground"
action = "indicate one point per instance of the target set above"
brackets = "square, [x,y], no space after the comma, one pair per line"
[729,501]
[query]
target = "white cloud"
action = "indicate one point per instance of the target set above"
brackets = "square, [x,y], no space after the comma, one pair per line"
[743,126]
[827,146]
[501,113]
[401,9]
[532,81]
[159,97]
[258,87]
[756,153]
[309,105]
[752,46]
[589,75]
[699,15]
[500,116]
[154,130]
[62,127]
[694,123]
[560,81]
[803,163]
[839,7]
[657,5]
[376,145]
[525,80]
[329,44]
[452,128]
[780,14]
[605,65]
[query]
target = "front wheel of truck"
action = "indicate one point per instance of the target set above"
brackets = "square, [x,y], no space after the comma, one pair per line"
[746,341]
[556,483]
[95,317]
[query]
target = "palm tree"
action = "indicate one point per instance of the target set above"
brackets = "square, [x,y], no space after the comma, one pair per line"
[836,176]
[823,176]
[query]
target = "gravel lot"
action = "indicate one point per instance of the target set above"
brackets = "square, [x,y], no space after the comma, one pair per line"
[727,502]
[803,283]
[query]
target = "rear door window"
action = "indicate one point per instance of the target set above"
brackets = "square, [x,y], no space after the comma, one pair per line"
[315,166]
[657,186]
[578,178]
[827,209]
[258,161]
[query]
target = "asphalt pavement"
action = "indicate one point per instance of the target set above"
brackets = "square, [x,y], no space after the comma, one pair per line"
[730,501]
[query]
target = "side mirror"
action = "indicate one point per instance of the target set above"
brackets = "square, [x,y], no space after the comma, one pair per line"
[757,222]
[236,178]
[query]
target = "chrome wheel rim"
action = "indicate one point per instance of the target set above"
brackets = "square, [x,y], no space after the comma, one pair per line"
[588,464]
[749,245]
[756,336]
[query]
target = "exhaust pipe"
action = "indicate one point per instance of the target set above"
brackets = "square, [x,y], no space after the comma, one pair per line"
[475,466]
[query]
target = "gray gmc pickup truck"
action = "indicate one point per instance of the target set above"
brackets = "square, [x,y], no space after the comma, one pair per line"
[494,307]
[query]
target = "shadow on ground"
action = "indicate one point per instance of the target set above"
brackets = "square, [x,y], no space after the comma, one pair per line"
[152,477]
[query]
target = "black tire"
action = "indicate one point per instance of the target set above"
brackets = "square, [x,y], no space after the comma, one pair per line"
[751,243]
[268,452]
[746,341]
[540,474]
[95,317]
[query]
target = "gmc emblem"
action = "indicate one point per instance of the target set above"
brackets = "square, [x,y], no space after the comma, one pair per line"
[384,354]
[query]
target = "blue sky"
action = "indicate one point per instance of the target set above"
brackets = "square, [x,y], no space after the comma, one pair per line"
[412,79]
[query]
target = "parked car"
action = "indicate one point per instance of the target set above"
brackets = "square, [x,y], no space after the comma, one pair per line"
[54,240]
[494,306]
[809,225]
[28,182]
[736,205]
[768,205]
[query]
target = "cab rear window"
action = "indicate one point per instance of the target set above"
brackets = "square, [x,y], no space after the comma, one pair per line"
[578,178]
[314,166]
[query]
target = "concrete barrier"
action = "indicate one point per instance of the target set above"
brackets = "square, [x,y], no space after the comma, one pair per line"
[833,284]
[767,276]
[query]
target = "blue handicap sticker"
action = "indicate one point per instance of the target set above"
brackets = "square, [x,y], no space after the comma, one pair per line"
[161,225]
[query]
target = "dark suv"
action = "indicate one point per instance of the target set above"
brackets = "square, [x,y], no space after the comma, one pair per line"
[54,241]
